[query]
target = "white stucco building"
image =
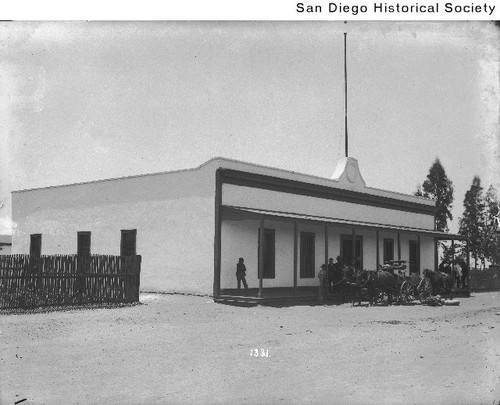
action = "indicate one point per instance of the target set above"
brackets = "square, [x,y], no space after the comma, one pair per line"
[191,226]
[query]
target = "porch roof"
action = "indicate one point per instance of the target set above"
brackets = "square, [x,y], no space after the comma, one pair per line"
[253,213]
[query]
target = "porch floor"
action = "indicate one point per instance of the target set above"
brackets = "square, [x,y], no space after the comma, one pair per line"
[284,296]
[275,296]
[272,292]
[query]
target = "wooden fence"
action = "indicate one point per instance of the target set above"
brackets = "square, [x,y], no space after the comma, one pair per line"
[27,282]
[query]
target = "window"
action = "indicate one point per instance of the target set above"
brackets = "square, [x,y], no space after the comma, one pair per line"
[307,254]
[36,245]
[128,242]
[388,250]
[83,244]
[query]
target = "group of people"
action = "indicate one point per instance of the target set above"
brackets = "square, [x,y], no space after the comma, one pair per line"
[333,277]
[458,269]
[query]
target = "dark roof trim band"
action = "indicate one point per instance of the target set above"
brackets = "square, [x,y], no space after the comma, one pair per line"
[261,181]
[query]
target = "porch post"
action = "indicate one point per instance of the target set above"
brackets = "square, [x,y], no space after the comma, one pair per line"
[399,247]
[295,256]
[261,256]
[378,251]
[326,245]
[436,254]
[353,243]
[218,234]
[453,253]
[418,254]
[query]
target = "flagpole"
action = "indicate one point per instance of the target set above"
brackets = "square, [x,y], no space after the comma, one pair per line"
[345,95]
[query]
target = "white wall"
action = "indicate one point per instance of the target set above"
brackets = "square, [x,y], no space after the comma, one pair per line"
[172,212]
[278,201]
[6,250]
[426,253]
[240,239]
[370,250]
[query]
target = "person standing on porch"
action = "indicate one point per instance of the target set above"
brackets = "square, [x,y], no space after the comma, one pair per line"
[322,282]
[241,272]
[350,271]
[465,274]
[331,275]
[457,273]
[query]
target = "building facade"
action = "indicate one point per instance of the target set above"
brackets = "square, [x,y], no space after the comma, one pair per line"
[191,226]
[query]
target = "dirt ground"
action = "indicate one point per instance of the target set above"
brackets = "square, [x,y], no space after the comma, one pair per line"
[182,349]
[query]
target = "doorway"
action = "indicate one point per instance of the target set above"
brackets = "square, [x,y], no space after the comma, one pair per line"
[346,249]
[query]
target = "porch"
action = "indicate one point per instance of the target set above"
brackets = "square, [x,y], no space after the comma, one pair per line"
[286,296]
[279,267]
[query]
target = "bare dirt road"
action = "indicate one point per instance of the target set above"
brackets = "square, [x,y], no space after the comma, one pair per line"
[181,349]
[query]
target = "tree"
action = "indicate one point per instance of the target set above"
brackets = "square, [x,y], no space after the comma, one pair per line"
[473,223]
[440,188]
[492,232]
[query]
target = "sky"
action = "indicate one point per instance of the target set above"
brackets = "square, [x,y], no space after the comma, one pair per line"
[83,101]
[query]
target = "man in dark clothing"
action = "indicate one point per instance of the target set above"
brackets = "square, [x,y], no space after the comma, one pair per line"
[339,270]
[351,271]
[322,275]
[357,264]
[241,272]
[443,267]
[465,274]
[331,275]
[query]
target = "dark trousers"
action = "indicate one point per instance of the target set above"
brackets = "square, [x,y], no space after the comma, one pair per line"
[242,279]
[322,291]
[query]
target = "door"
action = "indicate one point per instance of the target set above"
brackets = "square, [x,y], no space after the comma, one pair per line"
[347,253]
[414,260]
